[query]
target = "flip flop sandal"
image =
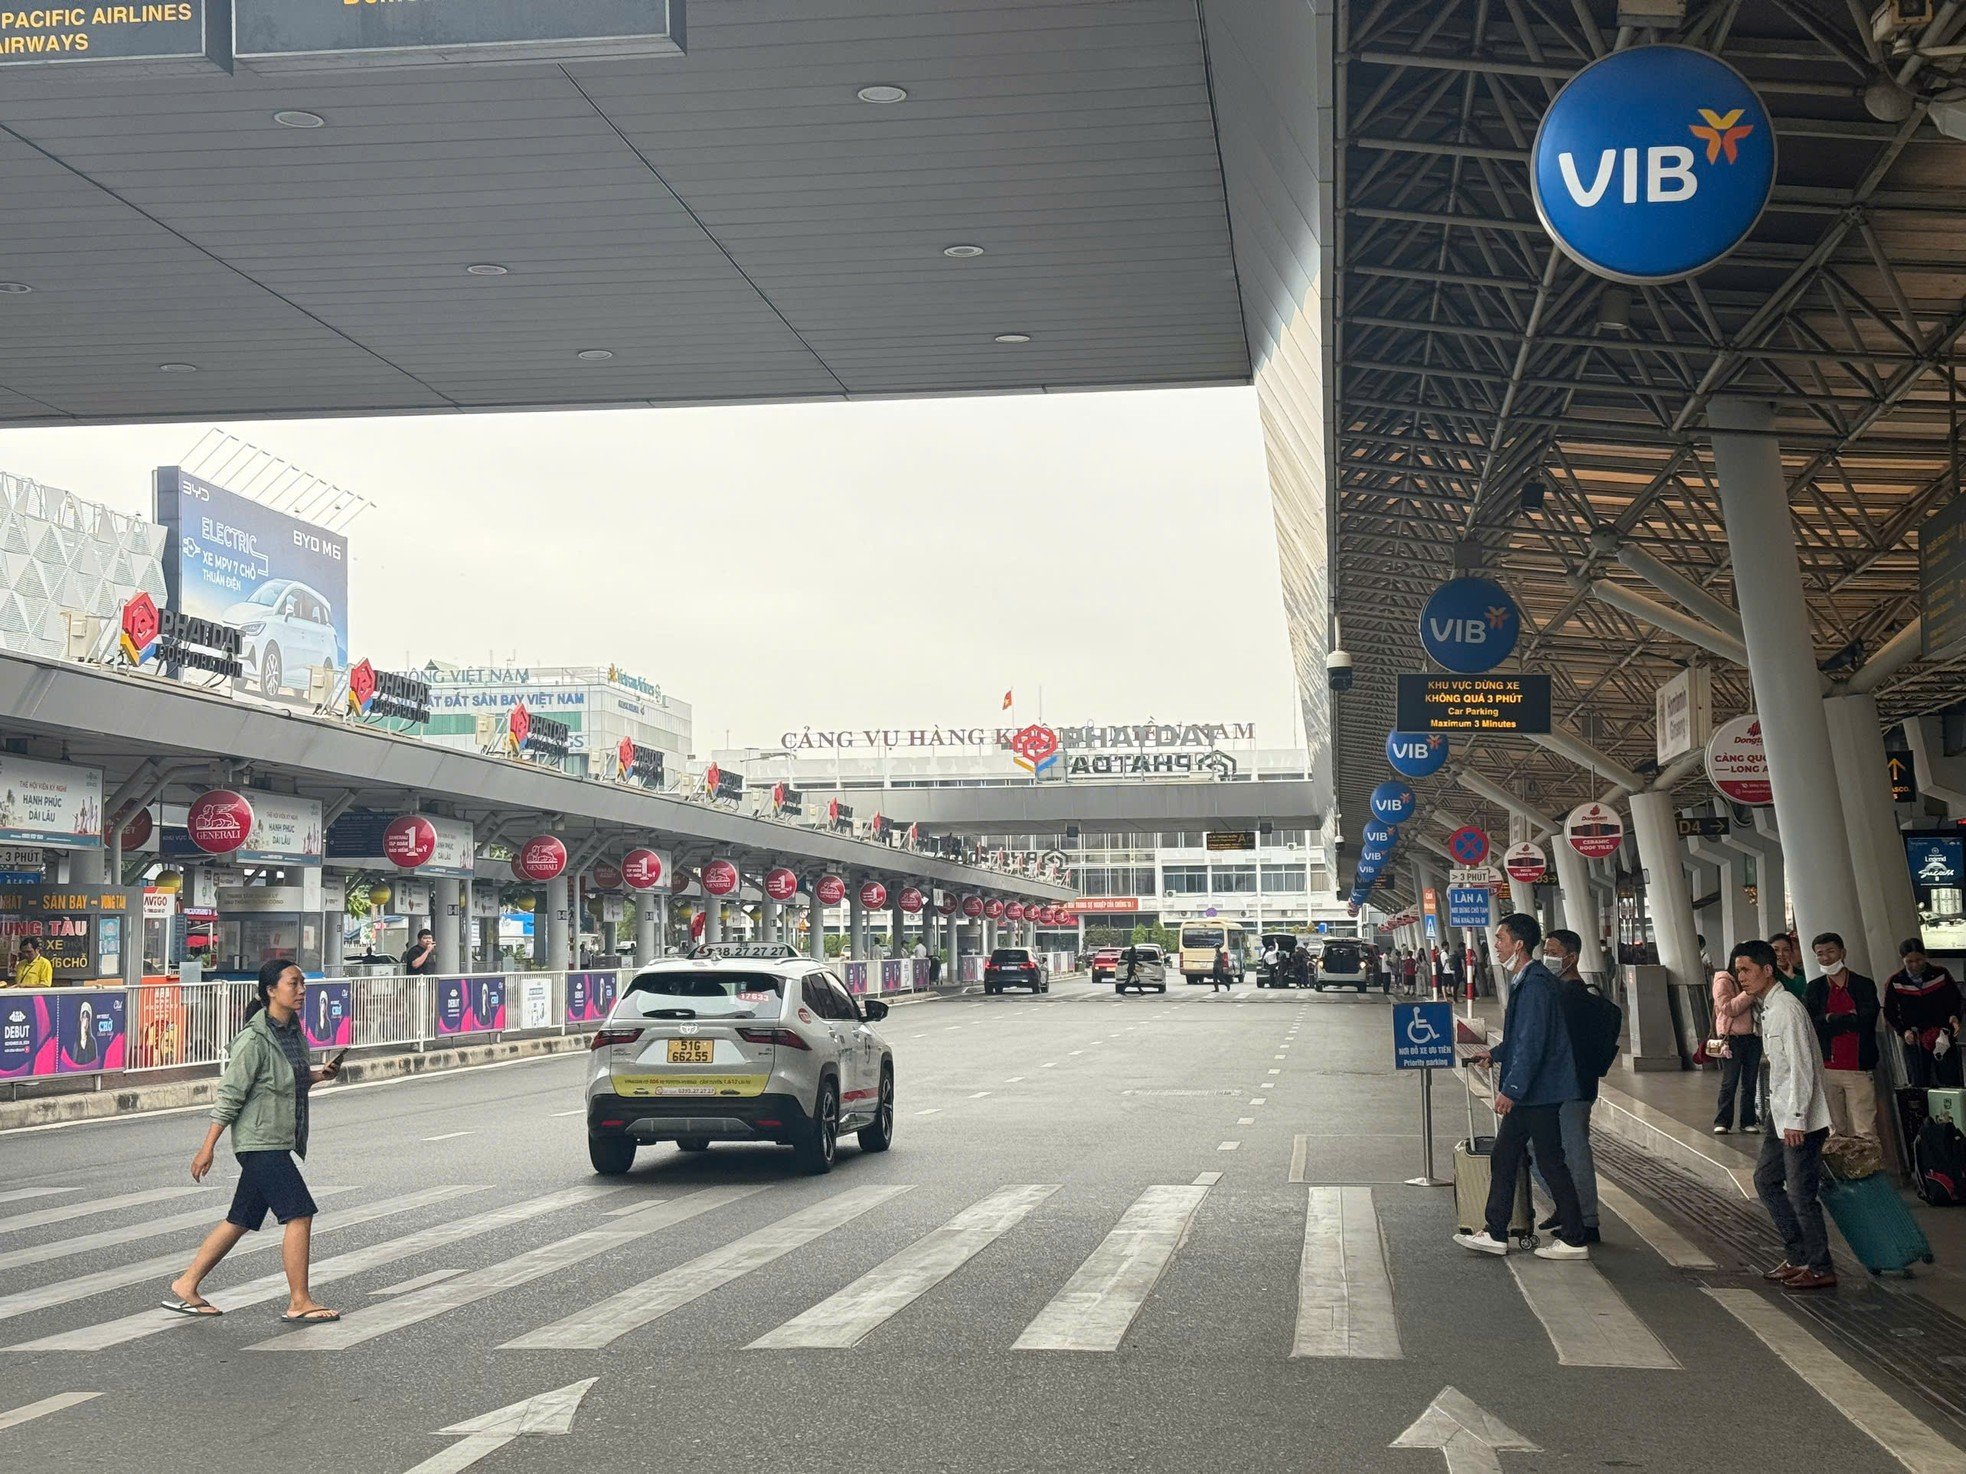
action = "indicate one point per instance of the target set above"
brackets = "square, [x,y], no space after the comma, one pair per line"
[311,1318]
[201,1308]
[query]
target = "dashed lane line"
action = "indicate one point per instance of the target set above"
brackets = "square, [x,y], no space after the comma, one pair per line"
[1229,1146]
[450,1136]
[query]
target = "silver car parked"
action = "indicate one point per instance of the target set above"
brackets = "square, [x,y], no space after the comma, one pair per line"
[738,1049]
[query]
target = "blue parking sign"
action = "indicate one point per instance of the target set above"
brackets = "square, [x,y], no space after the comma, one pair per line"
[1423,1036]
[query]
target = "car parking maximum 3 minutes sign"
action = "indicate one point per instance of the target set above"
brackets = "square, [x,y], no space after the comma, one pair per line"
[1653,163]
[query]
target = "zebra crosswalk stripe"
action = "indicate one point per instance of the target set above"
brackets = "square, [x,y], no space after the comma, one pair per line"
[605,1322]
[891,1287]
[44,1216]
[1588,1321]
[435,1300]
[58,1403]
[1098,1304]
[1344,1290]
[129,1233]
[22,1194]
[155,1322]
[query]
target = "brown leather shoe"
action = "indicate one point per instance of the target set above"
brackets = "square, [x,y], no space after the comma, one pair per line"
[1780,1272]
[1809,1279]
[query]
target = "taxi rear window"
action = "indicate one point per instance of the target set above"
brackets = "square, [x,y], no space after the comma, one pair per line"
[1340,956]
[1009,954]
[707,994]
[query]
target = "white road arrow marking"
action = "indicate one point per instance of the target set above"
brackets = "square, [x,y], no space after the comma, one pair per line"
[549,1412]
[1468,1438]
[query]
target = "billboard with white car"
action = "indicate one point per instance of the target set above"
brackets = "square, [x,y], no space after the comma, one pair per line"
[281,582]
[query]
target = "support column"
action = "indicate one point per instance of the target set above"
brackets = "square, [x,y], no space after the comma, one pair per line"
[645,904]
[443,921]
[1738,921]
[559,919]
[713,919]
[816,929]
[542,926]
[1764,846]
[895,917]
[856,922]
[1579,908]
[1890,910]
[1671,908]
[768,920]
[334,917]
[1782,665]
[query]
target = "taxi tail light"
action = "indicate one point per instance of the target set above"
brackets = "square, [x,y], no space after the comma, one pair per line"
[604,1037]
[786,1037]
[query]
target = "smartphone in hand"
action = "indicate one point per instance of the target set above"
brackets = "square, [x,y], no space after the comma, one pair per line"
[334,1065]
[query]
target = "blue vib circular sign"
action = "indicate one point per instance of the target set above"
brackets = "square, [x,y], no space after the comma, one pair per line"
[1392,802]
[1416,754]
[1376,834]
[1469,625]
[1653,163]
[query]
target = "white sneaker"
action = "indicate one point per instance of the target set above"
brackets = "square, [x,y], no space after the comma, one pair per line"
[1558,1249]
[1481,1243]
[1720,1131]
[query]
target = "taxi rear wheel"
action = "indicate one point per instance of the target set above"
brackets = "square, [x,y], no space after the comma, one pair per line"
[821,1140]
[880,1135]
[611,1155]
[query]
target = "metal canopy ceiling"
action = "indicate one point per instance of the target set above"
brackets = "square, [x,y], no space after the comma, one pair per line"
[1475,358]
[731,225]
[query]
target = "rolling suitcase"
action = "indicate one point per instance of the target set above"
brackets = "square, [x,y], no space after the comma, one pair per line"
[1880,1229]
[1472,1176]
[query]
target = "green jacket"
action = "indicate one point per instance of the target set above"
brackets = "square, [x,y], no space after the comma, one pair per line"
[256,1093]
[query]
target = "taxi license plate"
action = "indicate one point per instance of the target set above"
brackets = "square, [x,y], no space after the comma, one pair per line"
[690,1051]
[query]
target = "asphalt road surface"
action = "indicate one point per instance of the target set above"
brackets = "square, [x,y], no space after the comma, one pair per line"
[1141,1234]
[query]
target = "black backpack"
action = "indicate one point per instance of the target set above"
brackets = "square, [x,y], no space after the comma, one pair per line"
[1938,1160]
[1597,1044]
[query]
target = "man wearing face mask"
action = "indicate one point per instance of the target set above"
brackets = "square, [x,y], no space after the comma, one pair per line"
[1843,1006]
[1535,1073]
[1593,1021]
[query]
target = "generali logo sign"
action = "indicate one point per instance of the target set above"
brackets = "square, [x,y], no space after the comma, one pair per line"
[220,821]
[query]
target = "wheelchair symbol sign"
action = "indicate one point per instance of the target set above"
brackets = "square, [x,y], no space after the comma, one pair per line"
[1423,1036]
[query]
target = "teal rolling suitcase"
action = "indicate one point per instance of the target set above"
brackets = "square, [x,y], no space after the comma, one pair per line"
[1877,1224]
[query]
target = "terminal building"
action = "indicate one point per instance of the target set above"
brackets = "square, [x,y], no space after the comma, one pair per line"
[1126,875]
[600,706]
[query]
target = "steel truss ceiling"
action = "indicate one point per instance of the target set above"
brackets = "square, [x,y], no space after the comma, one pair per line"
[1473,358]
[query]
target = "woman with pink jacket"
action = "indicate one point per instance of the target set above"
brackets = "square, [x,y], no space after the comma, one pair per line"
[1740,1068]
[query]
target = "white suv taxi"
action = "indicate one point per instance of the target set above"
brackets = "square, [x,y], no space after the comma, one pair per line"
[738,1048]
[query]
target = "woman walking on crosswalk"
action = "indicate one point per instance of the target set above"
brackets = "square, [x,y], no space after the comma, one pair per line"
[263,1098]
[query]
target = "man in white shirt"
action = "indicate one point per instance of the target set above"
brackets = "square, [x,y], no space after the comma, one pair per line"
[1795,1123]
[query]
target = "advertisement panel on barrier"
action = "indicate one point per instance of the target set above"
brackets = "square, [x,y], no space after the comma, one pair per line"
[67,1032]
[329,1015]
[58,804]
[281,582]
[474,1005]
[856,977]
[535,1003]
[590,996]
[891,975]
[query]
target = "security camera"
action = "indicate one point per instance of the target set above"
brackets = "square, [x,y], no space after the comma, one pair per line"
[1338,670]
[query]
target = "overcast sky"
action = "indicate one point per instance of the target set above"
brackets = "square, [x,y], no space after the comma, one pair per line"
[895,563]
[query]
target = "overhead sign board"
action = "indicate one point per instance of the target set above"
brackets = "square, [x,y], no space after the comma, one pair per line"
[1469,625]
[1652,164]
[1705,826]
[1423,1036]
[1526,862]
[176,36]
[1231,839]
[1684,713]
[312,35]
[1594,830]
[56,804]
[1737,762]
[1942,582]
[1416,754]
[1490,703]
[1904,779]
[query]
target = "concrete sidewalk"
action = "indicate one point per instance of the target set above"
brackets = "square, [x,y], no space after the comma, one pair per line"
[1668,1115]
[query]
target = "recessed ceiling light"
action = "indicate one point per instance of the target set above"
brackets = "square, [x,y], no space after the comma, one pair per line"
[962,251]
[177,368]
[15,286]
[882,93]
[485,268]
[293,117]
[594,355]
[1011,338]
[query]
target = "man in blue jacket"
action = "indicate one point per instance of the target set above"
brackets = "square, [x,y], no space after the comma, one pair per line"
[1535,1072]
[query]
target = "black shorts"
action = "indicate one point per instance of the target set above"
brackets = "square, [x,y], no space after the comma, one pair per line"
[269,1181]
